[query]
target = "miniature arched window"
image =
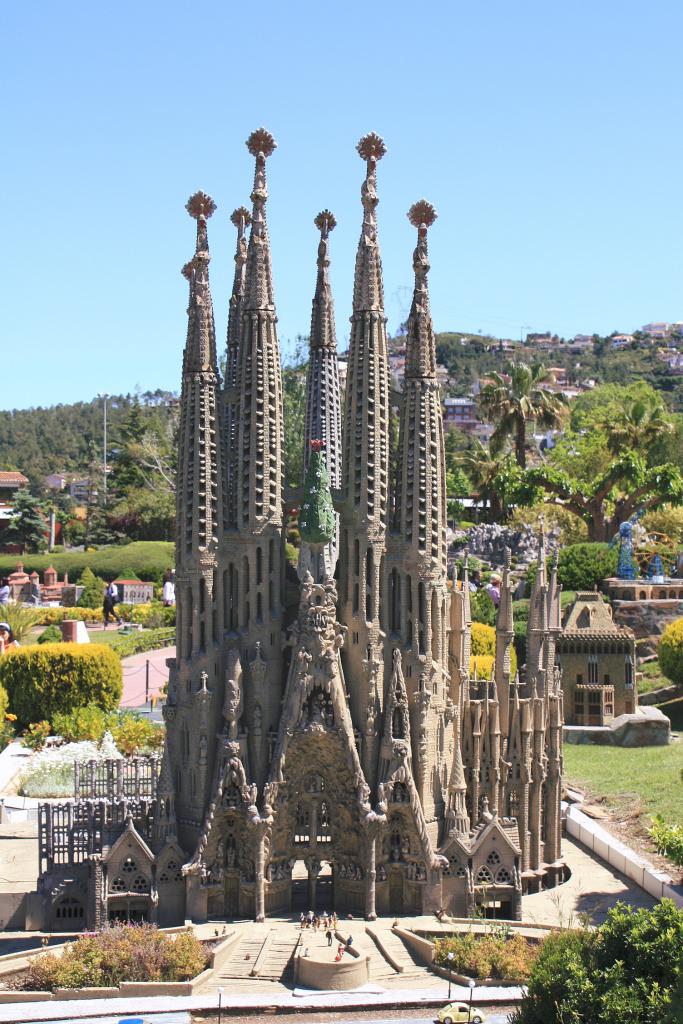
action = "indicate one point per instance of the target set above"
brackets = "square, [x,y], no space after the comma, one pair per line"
[140,884]
[314,783]
[69,909]
[129,867]
[397,725]
[302,818]
[503,877]
[324,824]
[484,876]
[493,859]
[118,885]
[171,873]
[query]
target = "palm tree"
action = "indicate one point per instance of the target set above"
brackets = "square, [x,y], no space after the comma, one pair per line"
[642,422]
[491,477]
[524,400]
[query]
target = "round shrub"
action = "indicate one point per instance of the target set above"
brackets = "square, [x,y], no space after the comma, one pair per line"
[671,652]
[585,566]
[51,635]
[41,681]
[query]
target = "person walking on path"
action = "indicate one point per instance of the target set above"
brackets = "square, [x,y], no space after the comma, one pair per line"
[108,604]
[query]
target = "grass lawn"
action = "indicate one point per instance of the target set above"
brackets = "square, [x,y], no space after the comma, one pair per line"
[652,677]
[648,778]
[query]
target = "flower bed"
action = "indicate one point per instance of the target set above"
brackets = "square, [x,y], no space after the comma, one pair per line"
[50,773]
[124,953]
[498,955]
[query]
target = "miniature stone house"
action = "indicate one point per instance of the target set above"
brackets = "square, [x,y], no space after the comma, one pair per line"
[598,661]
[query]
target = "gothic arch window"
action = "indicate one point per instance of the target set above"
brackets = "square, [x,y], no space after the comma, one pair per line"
[484,876]
[302,820]
[493,859]
[503,877]
[314,783]
[397,724]
[324,829]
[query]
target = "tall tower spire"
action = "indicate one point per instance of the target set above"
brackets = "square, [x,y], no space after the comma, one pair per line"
[365,471]
[254,550]
[199,501]
[505,634]
[419,549]
[241,218]
[323,411]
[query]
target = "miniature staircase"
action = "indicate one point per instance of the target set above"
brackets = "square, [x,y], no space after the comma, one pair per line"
[243,956]
[394,951]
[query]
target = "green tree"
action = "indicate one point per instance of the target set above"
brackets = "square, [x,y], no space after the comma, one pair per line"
[294,406]
[671,652]
[638,425]
[625,485]
[28,526]
[93,589]
[513,406]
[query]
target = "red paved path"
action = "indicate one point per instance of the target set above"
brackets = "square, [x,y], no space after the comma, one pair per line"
[134,672]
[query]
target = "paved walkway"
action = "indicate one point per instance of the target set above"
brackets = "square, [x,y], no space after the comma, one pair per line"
[139,684]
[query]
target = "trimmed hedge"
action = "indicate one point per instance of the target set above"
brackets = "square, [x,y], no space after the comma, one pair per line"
[41,681]
[149,559]
[55,616]
[138,643]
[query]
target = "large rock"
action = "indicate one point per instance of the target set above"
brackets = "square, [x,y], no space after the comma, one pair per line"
[647,727]
[647,618]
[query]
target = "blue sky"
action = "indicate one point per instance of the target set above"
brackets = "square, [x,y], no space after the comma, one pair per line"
[547,135]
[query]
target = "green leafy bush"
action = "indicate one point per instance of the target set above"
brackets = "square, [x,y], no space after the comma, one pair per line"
[34,737]
[42,681]
[86,723]
[671,652]
[668,840]
[626,971]
[134,734]
[482,608]
[585,566]
[484,645]
[51,635]
[121,953]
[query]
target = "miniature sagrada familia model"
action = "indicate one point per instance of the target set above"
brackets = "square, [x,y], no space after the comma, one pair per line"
[327,716]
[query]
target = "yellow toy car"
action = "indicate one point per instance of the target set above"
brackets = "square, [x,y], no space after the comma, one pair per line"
[454,1013]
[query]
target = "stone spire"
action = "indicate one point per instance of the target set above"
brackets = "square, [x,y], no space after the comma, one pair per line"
[323,402]
[457,818]
[199,495]
[505,634]
[366,470]
[254,550]
[241,218]
[419,545]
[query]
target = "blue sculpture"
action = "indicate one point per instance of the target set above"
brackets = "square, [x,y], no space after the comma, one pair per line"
[656,569]
[626,566]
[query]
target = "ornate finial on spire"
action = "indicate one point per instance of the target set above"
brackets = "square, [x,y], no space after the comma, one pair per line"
[261,141]
[200,207]
[422,214]
[325,222]
[241,218]
[186,270]
[371,147]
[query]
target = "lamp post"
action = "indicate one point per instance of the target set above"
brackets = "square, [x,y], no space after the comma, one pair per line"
[472,984]
[104,396]
[450,969]
[220,1004]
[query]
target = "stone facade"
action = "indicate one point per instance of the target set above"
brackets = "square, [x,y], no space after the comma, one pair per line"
[598,661]
[324,715]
